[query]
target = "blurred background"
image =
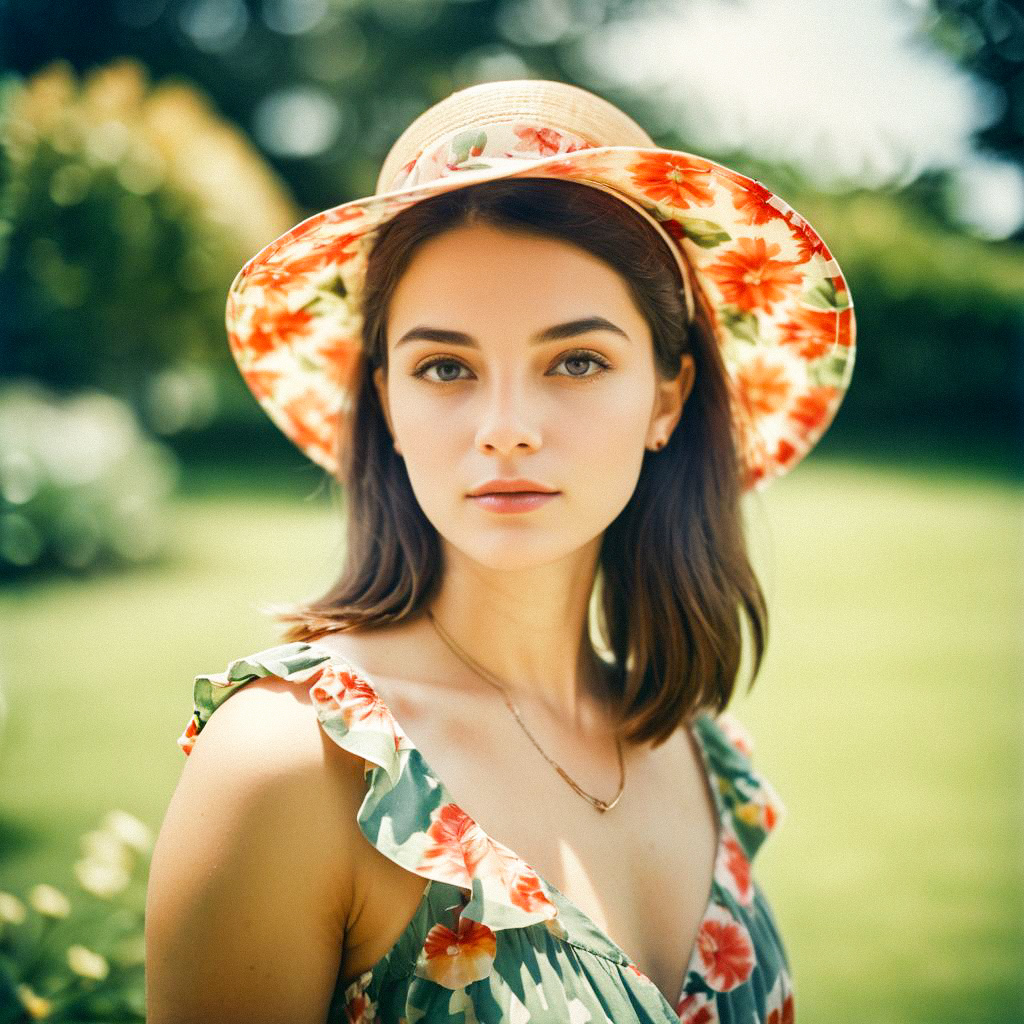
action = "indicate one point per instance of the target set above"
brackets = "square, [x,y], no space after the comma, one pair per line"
[149,509]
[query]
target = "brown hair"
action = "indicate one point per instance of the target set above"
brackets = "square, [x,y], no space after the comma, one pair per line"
[673,570]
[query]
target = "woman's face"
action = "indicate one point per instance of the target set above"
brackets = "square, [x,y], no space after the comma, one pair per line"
[480,386]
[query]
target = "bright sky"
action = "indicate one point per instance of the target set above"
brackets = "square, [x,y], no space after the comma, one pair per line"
[846,91]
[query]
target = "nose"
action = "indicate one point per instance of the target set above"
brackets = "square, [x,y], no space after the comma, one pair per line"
[508,423]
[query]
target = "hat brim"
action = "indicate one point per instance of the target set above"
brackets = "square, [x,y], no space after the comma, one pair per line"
[781,307]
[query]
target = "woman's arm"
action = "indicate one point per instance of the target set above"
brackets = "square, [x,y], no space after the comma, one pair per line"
[251,878]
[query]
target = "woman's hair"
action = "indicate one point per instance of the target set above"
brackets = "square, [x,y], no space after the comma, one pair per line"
[673,570]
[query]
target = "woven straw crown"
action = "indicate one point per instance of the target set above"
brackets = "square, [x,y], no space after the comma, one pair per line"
[562,106]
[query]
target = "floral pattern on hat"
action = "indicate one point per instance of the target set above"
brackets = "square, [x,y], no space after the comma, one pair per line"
[781,308]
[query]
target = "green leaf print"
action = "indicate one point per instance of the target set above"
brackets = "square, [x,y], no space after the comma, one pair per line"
[824,295]
[706,233]
[468,143]
[741,324]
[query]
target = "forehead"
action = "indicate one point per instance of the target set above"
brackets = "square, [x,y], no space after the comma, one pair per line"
[484,270]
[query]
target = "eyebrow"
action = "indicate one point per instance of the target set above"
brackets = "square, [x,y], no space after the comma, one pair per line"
[554,333]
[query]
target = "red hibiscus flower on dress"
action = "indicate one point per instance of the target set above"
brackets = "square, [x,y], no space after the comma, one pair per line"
[674,179]
[697,1008]
[749,278]
[725,950]
[461,851]
[737,868]
[783,1016]
[456,959]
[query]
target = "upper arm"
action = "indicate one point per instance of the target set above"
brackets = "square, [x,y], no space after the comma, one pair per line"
[252,873]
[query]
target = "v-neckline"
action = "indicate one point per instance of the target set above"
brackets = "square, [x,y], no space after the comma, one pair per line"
[710,777]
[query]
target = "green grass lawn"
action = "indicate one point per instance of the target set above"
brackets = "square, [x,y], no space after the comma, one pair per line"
[888,714]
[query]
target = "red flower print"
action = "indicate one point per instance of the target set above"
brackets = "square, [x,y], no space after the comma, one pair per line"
[308,426]
[813,332]
[697,1008]
[339,358]
[461,851]
[783,1016]
[751,201]
[273,323]
[749,278]
[764,385]
[356,700]
[325,255]
[261,382]
[738,867]
[542,141]
[455,959]
[807,241]
[359,1009]
[675,179]
[344,213]
[784,453]
[725,950]
[187,739]
[458,845]
[811,408]
[265,275]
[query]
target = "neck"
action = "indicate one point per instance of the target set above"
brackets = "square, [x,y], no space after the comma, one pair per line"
[528,630]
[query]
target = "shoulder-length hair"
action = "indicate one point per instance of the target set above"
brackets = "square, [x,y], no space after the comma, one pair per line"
[673,571]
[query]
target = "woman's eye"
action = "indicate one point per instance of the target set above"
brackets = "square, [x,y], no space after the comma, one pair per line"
[585,357]
[430,364]
[449,367]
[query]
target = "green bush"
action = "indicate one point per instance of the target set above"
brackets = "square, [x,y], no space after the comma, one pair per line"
[80,483]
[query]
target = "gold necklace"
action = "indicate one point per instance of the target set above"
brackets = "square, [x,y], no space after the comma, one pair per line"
[601,805]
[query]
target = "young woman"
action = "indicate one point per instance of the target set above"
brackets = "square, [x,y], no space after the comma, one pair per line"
[489,776]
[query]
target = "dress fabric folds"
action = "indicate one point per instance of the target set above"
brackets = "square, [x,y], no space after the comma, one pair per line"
[492,942]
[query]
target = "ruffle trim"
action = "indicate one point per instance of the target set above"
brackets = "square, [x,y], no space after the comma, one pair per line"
[751,801]
[408,815]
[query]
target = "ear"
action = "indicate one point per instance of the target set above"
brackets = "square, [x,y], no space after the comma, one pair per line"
[380,382]
[669,399]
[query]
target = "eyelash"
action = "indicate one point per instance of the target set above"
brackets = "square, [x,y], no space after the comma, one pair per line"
[575,354]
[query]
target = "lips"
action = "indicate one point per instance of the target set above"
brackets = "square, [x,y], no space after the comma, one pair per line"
[511,486]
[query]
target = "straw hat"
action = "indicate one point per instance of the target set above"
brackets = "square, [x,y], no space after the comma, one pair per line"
[779,303]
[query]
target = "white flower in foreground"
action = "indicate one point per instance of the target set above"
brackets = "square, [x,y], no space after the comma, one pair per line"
[87,964]
[37,1006]
[107,848]
[101,877]
[12,910]
[49,901]
[129,830]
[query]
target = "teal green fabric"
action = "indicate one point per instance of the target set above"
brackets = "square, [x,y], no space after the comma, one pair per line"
[493,942]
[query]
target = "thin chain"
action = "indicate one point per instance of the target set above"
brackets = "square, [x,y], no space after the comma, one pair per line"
[601,805]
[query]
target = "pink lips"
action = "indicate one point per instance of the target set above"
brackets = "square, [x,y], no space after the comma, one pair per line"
[522,501]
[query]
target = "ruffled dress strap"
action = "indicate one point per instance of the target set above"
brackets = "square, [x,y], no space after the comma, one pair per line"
[753,807]
[407,813]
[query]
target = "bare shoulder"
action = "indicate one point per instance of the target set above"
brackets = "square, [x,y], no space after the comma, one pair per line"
[258,853]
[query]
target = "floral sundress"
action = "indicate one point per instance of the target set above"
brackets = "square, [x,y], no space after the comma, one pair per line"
[493,942]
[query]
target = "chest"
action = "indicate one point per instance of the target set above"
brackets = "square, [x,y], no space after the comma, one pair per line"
[641,871]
